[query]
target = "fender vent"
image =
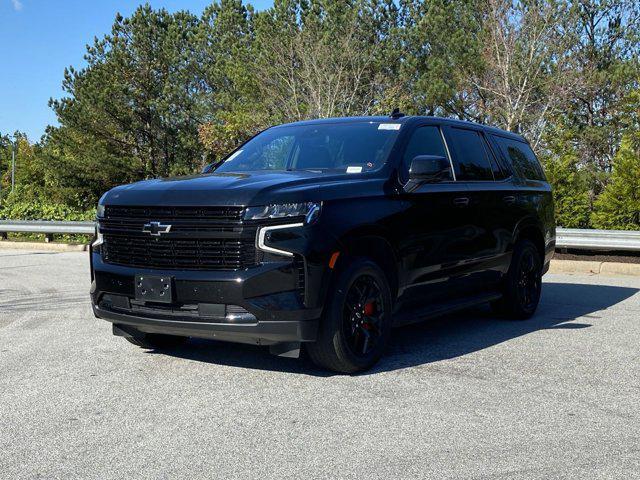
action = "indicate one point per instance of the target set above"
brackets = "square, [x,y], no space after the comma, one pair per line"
[300,286]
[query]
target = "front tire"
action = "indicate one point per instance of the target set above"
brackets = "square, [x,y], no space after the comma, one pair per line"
[356,323]
[523,283]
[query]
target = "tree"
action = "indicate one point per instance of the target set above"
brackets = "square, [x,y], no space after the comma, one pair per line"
[138,94]
[164,93]
[5,163]
[618,207]
[522,80]
[225,54]
[28,162]
[604,70]
[570,185]
[78,168]
[439,46]
[318,59]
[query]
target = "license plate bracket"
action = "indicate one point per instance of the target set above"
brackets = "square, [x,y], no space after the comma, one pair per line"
[154,288]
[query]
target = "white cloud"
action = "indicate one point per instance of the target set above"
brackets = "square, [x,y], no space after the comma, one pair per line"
[17,5]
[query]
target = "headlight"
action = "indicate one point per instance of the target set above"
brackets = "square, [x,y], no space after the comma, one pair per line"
[99,239]
[309,210]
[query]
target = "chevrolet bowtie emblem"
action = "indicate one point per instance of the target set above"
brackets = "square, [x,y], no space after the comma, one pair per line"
[156,228]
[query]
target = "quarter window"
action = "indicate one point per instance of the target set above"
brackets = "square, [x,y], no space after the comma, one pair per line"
[522,158]
[470,155]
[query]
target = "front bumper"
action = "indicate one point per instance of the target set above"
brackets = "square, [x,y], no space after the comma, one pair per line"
[258,333]
[263,305]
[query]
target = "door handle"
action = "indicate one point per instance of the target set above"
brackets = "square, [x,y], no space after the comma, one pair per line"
[509,199]
[461,201]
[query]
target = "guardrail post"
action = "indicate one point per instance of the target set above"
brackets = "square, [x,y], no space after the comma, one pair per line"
[3,235]
[48,237]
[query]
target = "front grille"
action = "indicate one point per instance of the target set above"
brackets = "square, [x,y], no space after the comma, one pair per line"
[182,219]
[174,213]
[200,238]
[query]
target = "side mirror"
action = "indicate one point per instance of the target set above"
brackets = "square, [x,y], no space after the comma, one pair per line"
[430,169]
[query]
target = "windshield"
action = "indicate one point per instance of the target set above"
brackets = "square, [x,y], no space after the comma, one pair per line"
[345,147]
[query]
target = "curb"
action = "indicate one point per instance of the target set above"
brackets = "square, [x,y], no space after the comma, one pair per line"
[42,246]
[594,268]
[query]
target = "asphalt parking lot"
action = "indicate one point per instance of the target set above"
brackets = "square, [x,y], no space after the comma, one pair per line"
[467,396]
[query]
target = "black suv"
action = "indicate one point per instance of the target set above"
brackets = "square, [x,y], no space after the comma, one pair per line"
[327,233]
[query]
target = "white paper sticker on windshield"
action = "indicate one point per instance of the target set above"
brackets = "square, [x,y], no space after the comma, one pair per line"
[389,126]
[354,169]
[233,155]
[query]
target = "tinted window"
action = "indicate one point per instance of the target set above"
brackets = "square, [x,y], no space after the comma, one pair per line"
[524,161]
[424,141]
[344,147]
[470,155]
[272,155]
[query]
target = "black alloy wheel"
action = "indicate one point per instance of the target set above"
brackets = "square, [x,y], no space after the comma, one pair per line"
[363,315]
[356,322]
[529,280]
[522,285]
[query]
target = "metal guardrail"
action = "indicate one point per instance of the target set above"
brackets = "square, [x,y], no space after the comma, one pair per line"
[570,238]
[605,240]
[47,228]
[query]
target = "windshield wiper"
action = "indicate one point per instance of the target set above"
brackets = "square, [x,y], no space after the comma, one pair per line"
[312,170]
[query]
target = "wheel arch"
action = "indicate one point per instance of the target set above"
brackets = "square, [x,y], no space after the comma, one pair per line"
[531,231]
[372,243]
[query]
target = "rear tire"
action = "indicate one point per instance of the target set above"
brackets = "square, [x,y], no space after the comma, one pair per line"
[155,341]
[523,283]
[356,323]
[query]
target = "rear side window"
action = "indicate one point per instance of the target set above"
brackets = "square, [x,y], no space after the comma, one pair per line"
[520,155]
[470,155]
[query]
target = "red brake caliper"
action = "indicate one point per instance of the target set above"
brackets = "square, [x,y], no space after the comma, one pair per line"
[369,309]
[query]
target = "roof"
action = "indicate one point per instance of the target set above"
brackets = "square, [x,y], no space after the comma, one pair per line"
[406,119]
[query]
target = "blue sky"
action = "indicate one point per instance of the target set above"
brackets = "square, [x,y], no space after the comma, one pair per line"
[39,38]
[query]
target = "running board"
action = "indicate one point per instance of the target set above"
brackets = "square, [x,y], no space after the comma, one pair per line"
[407,317]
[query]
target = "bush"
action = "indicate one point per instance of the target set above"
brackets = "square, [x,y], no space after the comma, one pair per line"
[15,208]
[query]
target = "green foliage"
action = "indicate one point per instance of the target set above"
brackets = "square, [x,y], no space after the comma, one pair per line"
[618,207]
[15,207]
[26,204]
[229,85]
[570,192]
[570,182]
[78,170]
[441,46]
[602,73]
[164,93]
[136,95]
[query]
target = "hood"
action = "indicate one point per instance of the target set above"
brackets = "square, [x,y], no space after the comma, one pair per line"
[239,189]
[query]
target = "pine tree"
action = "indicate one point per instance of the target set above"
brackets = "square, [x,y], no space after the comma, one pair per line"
[568,179]
[618,207]
[137,93]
